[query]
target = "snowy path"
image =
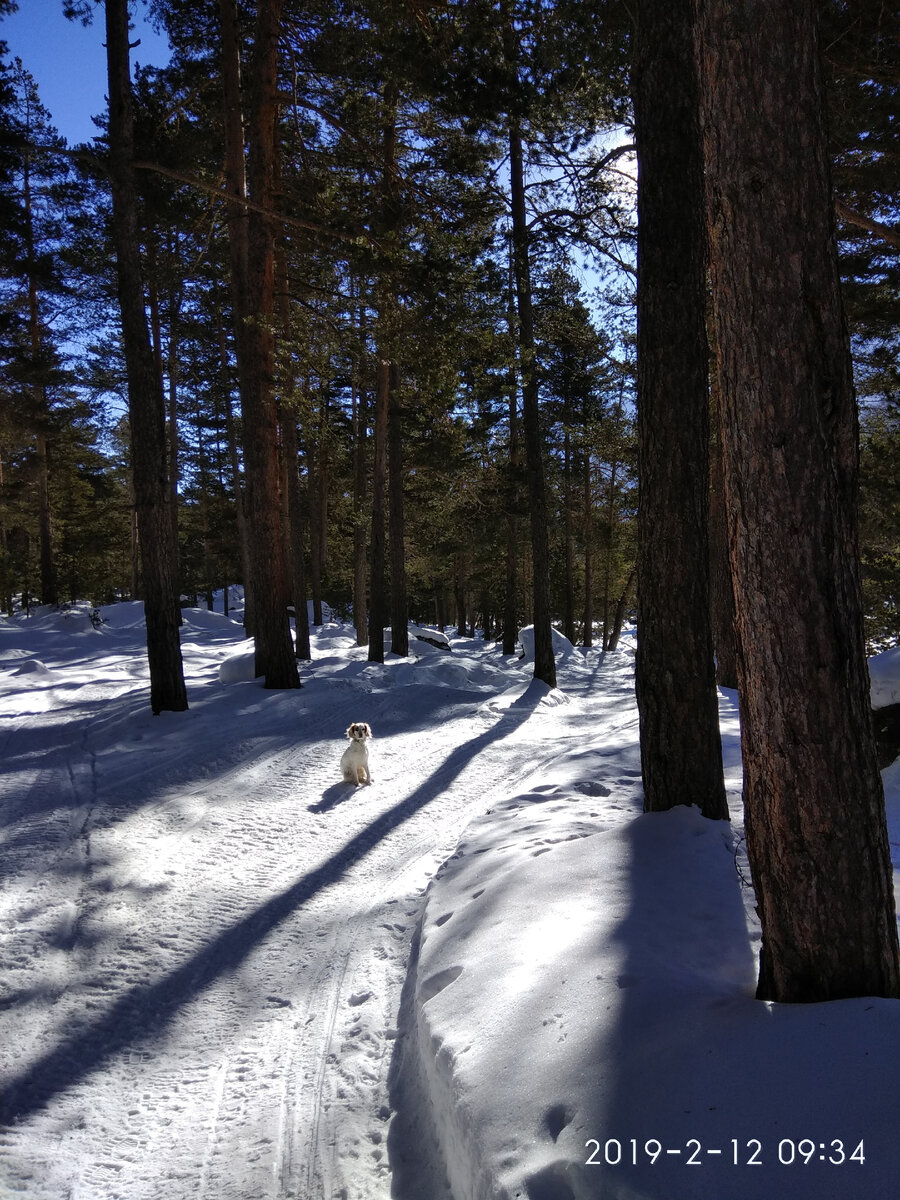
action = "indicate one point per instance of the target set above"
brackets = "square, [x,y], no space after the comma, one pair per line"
[206,934]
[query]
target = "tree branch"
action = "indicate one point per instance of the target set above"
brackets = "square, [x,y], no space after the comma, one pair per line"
[888,233]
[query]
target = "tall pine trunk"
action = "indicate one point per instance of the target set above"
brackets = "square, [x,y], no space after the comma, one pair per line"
[275,659]
[681,754]
[378,600]
[360,562]
[511,590]
[816,834]
[238,262]
[399,610]
[146,404]
[49,580]
[379,604]
[544,661]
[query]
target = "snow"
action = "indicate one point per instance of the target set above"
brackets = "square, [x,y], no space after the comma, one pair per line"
[884,676]
[226,974]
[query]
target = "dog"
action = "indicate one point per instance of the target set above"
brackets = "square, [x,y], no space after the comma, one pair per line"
[355,759]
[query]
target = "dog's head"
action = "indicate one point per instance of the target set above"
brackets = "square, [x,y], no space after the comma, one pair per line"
[359,732]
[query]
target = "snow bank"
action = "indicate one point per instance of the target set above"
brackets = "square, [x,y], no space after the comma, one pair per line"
[562,647]
[587,1026]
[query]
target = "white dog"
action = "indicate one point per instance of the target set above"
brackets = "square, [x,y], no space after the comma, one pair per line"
[355,759]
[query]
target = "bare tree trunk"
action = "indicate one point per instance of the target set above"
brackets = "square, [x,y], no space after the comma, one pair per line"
[587,520]
[399,610]
[681,753]
[619,616]
[275,658]
[293,532]
[511,593]
[384,336]
[49,582]
[378,602]
[544,661]
[236,481]
[146,405]
[816,833]
[359,530]
[568,537]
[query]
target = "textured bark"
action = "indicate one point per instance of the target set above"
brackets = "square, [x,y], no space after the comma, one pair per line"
[49,580]
[360,562]
[681,754]
[721,593]
[275,659]
[816,834]
[384,336]
[587,518]
[399,604]
[544,660]
[511,590]
[378,602]
[240,510]
[146,403]
[293,533]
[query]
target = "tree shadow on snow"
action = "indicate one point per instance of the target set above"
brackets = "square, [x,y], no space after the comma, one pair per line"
[146,1010]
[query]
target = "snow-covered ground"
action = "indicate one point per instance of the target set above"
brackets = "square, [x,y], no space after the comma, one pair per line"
[225,974]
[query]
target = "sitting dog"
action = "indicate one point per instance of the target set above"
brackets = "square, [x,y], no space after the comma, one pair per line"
[355,759]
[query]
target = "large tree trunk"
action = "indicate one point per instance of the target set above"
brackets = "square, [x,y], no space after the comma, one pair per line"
[681,754]
[816,834]
[544,661]
[146,404]
[275,658]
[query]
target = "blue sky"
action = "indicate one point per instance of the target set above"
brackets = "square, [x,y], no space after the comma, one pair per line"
[69,61]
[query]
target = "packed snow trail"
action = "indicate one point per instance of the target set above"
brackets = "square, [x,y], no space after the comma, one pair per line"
[205,931]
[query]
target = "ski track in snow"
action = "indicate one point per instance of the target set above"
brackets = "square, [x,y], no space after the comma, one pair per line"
[220,932]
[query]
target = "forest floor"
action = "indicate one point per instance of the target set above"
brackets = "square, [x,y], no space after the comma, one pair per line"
[225,974]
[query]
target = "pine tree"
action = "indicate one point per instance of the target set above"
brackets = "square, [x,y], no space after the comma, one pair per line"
[681,754]
[816,833]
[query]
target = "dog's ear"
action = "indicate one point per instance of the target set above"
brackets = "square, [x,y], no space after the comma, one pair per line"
[368,730]
[350,732]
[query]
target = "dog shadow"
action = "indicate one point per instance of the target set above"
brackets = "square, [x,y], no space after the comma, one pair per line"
[332,797]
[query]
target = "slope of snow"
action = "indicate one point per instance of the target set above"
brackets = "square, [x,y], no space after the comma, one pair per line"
[585,1011]
[223,973]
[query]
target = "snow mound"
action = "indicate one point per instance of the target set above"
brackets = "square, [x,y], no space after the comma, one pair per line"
[586,982]
[562,647]
[884,675]
[238,668]
[33,666]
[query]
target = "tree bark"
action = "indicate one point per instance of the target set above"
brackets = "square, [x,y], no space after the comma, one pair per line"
[544,660]
[378,602]
[816,834]
[384,337]
[399,608]
[681,754]
[146,403]
[587,517]
[360,563]
[511,591]
[49,578]
[275,658]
